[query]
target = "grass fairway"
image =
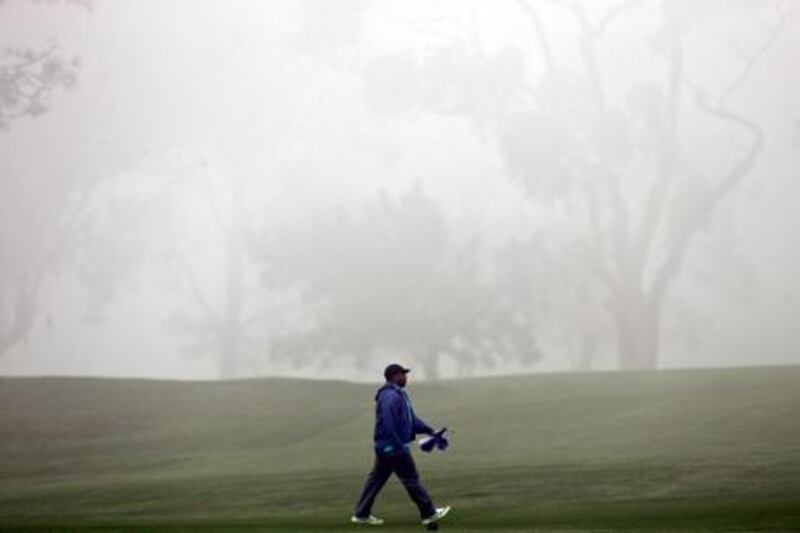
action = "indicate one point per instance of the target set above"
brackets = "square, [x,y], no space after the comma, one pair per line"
[712,449]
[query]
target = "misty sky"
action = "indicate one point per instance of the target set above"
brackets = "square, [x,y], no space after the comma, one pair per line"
[174,97]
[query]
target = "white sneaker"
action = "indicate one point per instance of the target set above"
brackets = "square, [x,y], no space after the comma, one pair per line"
[370,520]
[439,514]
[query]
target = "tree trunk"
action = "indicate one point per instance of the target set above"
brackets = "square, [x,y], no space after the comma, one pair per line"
[430,364]
[586,351]
[465,369]
[637,329]
[24,315]
[231,336]
[229,355]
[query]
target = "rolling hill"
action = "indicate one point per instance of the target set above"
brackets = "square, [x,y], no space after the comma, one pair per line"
[680,449]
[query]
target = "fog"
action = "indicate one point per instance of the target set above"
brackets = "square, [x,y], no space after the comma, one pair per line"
[219,190]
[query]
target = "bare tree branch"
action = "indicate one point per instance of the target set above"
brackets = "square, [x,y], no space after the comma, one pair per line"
[611,15]
[674,259]
[666,164]
[753,58]
[621,233]
[544,44]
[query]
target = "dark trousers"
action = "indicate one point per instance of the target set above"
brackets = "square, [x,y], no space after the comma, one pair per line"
[403,465]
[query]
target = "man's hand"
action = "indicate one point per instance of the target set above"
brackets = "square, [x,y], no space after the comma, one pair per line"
[436,440]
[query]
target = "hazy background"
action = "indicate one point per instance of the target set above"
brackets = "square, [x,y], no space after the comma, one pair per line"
[203,190]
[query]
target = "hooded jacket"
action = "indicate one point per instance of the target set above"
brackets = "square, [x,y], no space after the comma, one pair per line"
[395,422]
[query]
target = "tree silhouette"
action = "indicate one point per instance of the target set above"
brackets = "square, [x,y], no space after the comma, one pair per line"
[627,174]
[38,220]
[394,282]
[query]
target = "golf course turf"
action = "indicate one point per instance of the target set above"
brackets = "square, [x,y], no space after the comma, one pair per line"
[703,449]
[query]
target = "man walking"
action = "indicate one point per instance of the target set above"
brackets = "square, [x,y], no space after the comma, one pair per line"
[395,426]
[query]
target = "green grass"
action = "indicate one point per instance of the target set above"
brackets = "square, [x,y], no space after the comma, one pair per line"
[713,449]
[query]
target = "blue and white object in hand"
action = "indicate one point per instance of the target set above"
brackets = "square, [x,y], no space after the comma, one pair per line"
[437,440]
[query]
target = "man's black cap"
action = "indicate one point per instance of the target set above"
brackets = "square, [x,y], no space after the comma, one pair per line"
[393,369]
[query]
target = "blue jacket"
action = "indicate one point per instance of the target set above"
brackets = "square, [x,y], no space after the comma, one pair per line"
[395,422]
